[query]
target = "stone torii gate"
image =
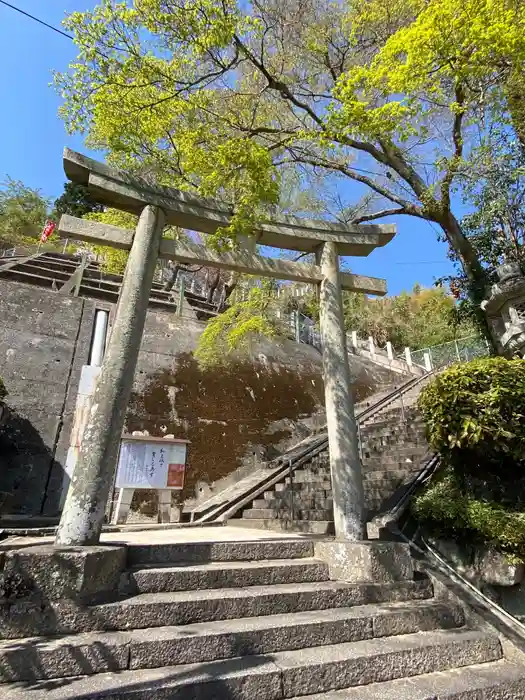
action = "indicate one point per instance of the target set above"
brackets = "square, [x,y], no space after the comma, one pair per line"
[156,206]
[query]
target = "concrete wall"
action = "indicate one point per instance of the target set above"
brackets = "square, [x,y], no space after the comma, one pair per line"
[234,417]
[44,340]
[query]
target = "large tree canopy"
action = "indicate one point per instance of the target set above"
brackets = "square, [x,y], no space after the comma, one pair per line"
[222,97]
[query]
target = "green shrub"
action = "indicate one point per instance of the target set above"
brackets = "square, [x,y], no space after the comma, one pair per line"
[448,510]
[3,390]
[475,417]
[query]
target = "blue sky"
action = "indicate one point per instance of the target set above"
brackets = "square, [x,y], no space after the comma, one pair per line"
[32,137]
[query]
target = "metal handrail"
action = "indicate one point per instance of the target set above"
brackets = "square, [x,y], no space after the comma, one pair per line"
[429,552]
[287,463]
[512,625]
[388,519]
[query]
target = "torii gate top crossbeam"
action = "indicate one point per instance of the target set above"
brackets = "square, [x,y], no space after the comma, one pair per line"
[120,190]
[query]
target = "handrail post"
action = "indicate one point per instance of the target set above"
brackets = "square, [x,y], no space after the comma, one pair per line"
[290,472]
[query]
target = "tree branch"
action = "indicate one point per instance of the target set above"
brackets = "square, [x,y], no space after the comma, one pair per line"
[278,85]
[457,137]
[384,212]
[406,205]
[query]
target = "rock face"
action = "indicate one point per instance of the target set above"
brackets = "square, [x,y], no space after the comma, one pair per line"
[234,418]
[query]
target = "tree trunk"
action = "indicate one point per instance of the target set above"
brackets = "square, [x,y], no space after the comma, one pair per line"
[473,269]
[213,286]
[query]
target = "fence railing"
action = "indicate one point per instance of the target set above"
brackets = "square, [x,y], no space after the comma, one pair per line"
[460,350]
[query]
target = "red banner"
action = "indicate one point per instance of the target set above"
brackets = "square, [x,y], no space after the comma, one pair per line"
[49,227]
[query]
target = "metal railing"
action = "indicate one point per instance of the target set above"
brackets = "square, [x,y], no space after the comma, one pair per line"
[460,350]
[508,625]
[505,623]
[302,453]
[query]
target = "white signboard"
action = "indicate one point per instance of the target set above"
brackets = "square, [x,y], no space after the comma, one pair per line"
[151,465]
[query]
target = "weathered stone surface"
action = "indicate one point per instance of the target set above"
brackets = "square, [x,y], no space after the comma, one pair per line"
[34,659]
[85,574]
[496,569]
[227,575]
[261,635]
[233,679]
[493,681]
[27,618]
[481,564]
[201,552]
[156,610]
[43,337]
[378,562]
[332,667]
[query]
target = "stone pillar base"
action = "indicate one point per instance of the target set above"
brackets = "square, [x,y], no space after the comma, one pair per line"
[366,562]
[83,575]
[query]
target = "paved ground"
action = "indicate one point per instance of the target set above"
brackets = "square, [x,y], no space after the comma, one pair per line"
[163,535]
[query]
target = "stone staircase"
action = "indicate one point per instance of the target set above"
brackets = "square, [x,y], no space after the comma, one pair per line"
[53,269]
[393,448]
[246,620]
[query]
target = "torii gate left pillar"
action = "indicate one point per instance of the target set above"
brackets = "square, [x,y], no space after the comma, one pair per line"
[83,513]
[345,462]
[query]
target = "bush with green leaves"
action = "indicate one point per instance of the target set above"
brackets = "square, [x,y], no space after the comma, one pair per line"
[450,511]
[475,418]
[3,390]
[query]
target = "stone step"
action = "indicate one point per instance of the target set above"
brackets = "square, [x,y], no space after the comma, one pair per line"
[92,653]
[304,477]
[393,433]
[321,487]
[387,475]
[283,674]
[395,453]
[372,466]
[387,446]
[285,512]
[224,575]
[496,680]
[300,500]
[202,552]
[310,527]
[187,607]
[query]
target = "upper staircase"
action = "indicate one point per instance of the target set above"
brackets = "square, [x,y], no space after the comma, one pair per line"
[71,274]
[294,491]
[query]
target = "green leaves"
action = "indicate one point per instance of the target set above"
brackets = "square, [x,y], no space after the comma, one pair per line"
[420,319]
[448,509]
[23,213]
[234,329]
[474,416]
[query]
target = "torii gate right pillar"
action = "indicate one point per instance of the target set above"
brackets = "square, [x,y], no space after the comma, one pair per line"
[345,463]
